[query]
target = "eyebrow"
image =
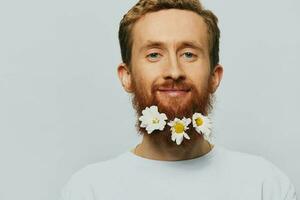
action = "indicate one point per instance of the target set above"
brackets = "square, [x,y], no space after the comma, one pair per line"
[183,44]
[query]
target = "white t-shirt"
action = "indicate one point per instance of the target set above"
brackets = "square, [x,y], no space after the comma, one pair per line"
[221,174]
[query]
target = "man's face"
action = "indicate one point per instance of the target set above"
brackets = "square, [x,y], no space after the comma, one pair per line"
[170,65]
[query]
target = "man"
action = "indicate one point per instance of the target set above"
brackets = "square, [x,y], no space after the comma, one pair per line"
[170,53]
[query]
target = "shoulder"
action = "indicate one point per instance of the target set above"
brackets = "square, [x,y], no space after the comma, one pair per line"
[81,183]
[242,161]
[277,182]
[251,163]
[94,171]
[79,187]
[245,160]
[273,181]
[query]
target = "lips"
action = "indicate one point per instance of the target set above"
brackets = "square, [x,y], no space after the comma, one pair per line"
[174,91]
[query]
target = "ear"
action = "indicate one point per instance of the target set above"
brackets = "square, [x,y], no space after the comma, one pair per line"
[125,77]
[216,77]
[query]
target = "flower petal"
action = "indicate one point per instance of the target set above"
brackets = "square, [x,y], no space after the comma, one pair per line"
[187,121]
[149,129]
[171,123]
[153,109]
[198,130]
[173,137]
[162,125]
[163,116]
[186,136]
[179,140]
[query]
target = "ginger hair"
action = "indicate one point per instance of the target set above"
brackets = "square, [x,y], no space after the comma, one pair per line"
[143,7]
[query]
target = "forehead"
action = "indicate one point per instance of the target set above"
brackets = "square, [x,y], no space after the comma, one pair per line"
[170,26]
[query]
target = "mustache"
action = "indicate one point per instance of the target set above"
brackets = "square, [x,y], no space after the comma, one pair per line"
[172,85]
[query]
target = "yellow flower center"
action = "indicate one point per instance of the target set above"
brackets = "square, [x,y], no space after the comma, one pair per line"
[199,121]
[179,127]
[155,121]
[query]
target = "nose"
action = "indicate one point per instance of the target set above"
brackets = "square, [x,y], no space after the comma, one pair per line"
[173,69]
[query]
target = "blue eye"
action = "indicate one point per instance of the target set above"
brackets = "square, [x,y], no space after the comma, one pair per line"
[153,55]
[190,57]
[189,54]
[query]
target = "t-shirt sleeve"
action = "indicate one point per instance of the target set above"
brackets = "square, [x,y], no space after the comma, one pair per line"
[277,185]
[77,188]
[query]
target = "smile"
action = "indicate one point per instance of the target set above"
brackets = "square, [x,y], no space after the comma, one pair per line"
[173,92]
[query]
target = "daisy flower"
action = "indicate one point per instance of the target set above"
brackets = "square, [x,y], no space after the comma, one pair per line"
[152,119]
[178,128]
[202,124]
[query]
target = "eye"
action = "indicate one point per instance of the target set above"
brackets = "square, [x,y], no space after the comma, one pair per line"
[190,57]
[153,56]
[189,54]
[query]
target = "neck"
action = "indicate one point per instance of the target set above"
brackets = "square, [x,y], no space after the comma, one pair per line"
[156,147]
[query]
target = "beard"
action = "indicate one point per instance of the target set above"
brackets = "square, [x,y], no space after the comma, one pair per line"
[179,107]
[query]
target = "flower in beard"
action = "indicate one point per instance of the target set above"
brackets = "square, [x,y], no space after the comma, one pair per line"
[178,128]
[202,124]
[152,119]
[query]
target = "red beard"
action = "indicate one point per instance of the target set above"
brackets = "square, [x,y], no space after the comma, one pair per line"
[172,106]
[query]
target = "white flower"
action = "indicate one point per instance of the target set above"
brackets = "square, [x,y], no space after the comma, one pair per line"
[202,124]
[178,128]
[152,119]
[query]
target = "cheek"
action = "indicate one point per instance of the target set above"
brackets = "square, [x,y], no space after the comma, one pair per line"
[199,78]
[146,74]
[143,81]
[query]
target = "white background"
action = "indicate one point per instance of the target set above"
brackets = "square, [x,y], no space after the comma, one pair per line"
[62,106]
